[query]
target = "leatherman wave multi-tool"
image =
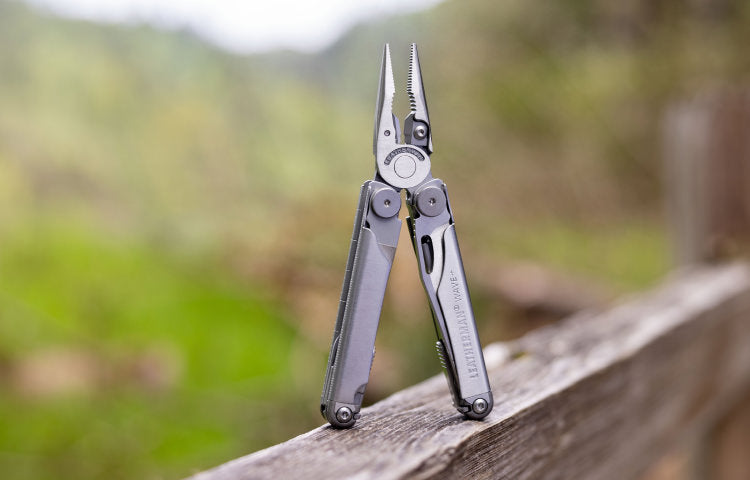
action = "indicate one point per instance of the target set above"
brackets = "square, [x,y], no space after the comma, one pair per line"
[374,240]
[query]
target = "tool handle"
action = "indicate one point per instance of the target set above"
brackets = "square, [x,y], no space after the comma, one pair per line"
[374,241]
[433,234]
[455,305]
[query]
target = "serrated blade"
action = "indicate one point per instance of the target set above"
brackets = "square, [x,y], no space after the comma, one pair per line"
[386,124]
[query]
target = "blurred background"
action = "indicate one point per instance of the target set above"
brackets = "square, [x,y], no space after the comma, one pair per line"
[178,183]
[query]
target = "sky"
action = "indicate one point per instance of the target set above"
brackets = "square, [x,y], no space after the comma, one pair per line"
[243,26]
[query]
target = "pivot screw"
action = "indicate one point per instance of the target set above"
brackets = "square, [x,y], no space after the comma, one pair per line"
[344,414]
[386,202]
[420,132]
[479,406]
[431,201]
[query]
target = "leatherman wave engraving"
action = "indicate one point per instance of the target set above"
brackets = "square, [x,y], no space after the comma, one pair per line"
[374,240]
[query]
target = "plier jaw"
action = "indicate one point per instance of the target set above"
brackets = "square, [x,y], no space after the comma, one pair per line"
[402,165]
[387,132]
[417,130]
[374,240]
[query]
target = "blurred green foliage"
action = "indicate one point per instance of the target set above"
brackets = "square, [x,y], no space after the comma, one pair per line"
[627,256]
[174,220]
[173,353]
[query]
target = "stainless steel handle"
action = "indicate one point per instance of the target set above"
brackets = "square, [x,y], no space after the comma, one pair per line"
[371,253]
[455,304]
[433,235]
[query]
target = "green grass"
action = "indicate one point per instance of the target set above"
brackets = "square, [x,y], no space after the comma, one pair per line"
[114,300]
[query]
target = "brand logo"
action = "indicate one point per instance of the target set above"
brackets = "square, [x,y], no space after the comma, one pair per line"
[397,151]
[464,330]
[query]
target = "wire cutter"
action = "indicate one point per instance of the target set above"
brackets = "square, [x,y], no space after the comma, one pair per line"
[403,166]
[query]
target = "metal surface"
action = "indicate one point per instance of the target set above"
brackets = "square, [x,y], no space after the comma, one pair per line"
[344,415]
[431,201]
[417,124]
[374,240]
[479,406]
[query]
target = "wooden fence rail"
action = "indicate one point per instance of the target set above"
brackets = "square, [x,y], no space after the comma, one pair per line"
[600,395]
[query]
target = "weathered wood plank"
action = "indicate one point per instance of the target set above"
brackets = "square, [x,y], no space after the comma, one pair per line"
[601,395]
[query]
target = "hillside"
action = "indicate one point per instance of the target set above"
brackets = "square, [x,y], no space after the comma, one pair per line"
[558,106]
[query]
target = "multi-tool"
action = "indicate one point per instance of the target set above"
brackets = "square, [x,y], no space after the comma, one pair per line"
[403,166]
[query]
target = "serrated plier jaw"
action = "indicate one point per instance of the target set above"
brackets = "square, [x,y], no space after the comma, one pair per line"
[402,165]
[387,132]
[417,129]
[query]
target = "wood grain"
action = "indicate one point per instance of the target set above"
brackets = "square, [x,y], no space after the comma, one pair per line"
[600,395]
